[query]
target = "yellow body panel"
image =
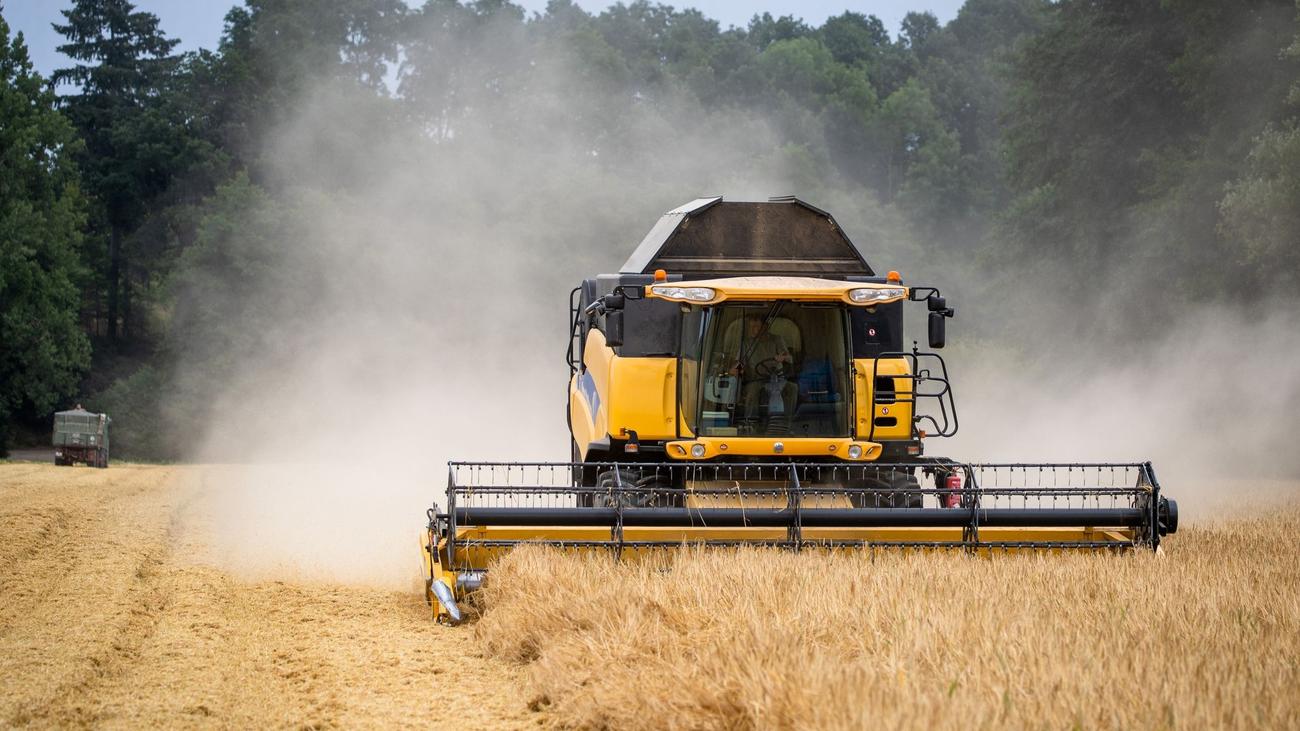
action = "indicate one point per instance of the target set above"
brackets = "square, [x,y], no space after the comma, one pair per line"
[828,447]
[581,419]
[901,409]
[679,535]
[589,392]
[798,289]
[614,396]
[643,397]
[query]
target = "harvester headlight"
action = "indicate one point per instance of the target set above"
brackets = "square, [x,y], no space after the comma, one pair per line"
[855,451]
[690,294]
[876,294]
[697,451]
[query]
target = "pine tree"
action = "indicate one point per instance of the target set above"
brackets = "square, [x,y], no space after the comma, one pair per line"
[126,63]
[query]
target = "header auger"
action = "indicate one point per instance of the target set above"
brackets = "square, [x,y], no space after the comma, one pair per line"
[760,395]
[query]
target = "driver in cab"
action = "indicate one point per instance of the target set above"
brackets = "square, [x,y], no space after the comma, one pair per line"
[762,362]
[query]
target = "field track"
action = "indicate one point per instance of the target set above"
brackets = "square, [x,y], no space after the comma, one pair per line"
[109,618]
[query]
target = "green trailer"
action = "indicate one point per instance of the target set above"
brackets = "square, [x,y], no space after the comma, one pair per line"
[81,436]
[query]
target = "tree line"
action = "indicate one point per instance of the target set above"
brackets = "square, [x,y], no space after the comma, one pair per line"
[1150,144]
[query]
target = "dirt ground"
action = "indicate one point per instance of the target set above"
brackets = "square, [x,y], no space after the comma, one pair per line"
[32,454]
[109,618]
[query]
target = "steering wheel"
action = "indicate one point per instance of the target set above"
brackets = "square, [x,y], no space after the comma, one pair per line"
[769,367]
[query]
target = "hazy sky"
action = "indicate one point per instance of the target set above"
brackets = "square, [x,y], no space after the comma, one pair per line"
[198,23]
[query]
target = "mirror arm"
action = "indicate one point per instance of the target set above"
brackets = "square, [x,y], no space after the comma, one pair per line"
[630,291]
[920,294]
[608,303]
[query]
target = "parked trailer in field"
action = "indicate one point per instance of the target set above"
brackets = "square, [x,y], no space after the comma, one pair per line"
[81,436]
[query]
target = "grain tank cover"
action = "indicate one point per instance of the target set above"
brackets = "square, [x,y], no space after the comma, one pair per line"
[710,237]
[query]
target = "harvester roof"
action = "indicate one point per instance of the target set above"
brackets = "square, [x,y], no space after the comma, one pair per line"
[709,237]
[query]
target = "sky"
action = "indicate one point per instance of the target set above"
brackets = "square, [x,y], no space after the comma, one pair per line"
[198,23]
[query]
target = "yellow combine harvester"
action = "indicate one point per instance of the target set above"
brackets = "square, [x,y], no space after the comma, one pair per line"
[743,381]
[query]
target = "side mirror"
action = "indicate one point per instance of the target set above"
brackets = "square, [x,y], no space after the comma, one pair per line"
[938,330]
[936,303]
[614,328]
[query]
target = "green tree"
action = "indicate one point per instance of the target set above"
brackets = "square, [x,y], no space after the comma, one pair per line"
[965,67]
[274,57]
[854,39]
[1095,93]
[764,30]
[1261,210]
[918,30]
[907,129]
[1128,121]
[127,62]
[43,351]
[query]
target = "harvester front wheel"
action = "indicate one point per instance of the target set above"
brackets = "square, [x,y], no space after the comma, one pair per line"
[649,491]
[892,489]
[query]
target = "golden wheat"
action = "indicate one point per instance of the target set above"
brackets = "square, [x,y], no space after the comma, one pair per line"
[1205,635]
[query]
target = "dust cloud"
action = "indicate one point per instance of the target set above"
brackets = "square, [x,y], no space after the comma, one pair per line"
[1212,402]
[427,318]
[434,246]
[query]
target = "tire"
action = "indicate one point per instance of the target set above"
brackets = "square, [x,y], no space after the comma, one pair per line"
[656,493]
[890,490]
[608,479]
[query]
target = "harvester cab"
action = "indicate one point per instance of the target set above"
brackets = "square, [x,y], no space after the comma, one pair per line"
[744,380]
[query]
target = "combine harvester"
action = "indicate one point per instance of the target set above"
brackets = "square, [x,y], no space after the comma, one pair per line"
[743,381]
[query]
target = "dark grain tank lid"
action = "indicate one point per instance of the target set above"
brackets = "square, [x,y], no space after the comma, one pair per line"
[713,237]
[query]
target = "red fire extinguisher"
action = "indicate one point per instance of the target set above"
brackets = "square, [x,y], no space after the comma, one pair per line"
[952,498]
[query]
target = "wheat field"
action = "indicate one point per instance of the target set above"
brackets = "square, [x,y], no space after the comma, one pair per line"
[1204,635]
[113,616]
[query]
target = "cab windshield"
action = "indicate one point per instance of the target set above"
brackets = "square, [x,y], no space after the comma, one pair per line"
[766,369]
